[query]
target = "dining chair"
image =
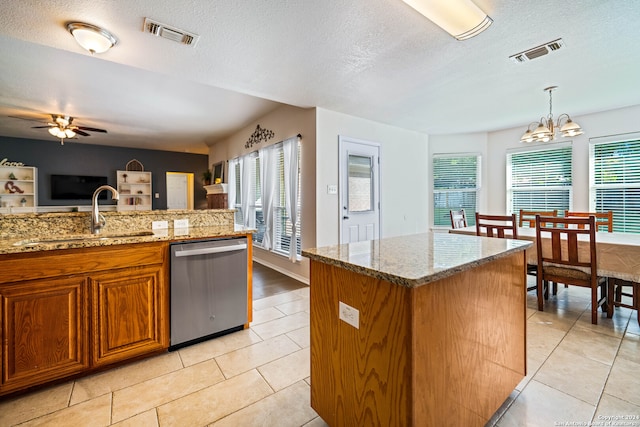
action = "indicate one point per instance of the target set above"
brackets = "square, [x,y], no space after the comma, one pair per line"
[603,219]
[529,217]
[497,225]
[458,219]
[560,261]
[616,293]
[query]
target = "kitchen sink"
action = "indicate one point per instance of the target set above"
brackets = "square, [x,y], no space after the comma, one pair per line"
[78,238]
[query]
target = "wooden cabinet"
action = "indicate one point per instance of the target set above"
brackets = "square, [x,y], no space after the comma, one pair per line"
[126,313]
[135,190]
[44,325]
[217,201]
[18,189]
[72,311]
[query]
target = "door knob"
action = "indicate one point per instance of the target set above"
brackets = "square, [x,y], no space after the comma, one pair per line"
[345,217]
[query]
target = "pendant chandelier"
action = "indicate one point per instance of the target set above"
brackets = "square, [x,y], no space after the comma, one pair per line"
[546,129]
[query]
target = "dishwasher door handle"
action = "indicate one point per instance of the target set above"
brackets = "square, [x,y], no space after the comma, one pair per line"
[214,250]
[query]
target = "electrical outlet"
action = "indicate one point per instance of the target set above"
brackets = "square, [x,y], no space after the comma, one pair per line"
[180,223]
[349,314]
[159,225]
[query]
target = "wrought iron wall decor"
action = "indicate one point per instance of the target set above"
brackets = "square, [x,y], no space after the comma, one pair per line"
[259,135]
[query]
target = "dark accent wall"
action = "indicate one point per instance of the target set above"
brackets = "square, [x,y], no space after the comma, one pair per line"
[84,159]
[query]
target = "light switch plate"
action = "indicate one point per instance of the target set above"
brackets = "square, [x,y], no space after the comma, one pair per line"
[180,223]
[332,189]
[159,225]
[349,314]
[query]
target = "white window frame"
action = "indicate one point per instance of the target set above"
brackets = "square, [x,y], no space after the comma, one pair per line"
[511,190]
[278,238]
[470,213]
[626,218]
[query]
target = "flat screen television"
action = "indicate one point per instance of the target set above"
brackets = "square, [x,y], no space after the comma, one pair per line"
[76,187]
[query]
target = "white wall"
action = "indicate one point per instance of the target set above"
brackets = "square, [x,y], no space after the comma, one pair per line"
[620,121]
[471,143]
[285,122]
[404,172]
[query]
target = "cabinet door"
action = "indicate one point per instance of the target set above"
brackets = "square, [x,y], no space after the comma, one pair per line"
[44,329]
[128,308]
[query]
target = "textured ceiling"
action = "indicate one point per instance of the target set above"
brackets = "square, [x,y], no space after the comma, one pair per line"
[377,59]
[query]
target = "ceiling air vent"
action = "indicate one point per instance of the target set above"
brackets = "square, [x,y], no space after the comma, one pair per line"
[165,31]
[537,51]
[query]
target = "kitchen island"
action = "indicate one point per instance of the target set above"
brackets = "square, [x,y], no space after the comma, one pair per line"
[419,330]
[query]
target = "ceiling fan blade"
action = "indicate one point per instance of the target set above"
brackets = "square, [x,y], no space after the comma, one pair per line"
[90,129]
[40,127]
[79,132]
[26,118]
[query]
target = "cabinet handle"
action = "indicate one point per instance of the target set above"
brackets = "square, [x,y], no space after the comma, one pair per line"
[215,250]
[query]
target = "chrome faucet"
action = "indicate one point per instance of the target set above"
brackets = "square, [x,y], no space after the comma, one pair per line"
[97,220]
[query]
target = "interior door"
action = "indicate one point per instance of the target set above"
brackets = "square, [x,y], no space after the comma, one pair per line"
[179,190]
[359,190]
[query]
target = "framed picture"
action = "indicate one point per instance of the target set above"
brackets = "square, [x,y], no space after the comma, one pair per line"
[217,173]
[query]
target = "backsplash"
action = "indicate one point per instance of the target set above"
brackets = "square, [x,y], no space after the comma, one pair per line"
[56,224]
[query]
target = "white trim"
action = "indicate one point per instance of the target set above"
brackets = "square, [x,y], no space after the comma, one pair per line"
[282,270]
[621,137]
[543,146]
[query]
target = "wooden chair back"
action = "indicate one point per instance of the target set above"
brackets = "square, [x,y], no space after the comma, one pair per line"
[458,219]
[560,261]
[603,219]
[497,225]
[529,217]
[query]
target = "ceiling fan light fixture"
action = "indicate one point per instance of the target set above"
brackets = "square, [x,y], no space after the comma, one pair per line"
[462,19]
[92,38]
[69,133]
[54,132]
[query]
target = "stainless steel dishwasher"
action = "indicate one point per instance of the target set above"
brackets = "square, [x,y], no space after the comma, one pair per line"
[208,289]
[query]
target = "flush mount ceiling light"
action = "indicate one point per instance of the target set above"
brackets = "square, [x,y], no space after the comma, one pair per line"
[546,129]
[460,18]
[92,38]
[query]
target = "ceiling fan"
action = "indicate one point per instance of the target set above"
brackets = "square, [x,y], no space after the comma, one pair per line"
[62,128]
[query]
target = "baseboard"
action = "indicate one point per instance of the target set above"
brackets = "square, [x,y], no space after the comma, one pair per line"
[283,271]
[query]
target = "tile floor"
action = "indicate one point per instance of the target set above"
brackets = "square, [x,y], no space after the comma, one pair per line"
[578,373]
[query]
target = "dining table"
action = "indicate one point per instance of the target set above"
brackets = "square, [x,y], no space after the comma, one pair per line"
[618,254]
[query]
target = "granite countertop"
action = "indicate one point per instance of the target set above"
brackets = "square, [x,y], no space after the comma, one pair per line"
[74,241]
[416,259]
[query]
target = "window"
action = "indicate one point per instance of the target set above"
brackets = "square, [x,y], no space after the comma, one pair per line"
[539,180]
[281,228]
[614,181]
[456,182]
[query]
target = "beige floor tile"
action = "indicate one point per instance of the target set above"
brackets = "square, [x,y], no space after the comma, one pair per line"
[624,381]
[282,326]
[301,336]
[316,422]
[543,338]
[266,314]
[630,348]
[218,346]
[535,359]
[215,402]
[287,370]
[145,419]
[22,408]
[255,355]
[98,384]
[615,326]
[558,319]
[151,393]
[95,412]
[542,406]
[610,407]
[303,292]
[600,347]
[288,407]
[294,306]
[277,299]
[576,375]
[308,380]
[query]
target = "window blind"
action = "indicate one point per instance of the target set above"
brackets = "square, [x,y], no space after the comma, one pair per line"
[539,180]
[615,182]
[455,187]
[282,225]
